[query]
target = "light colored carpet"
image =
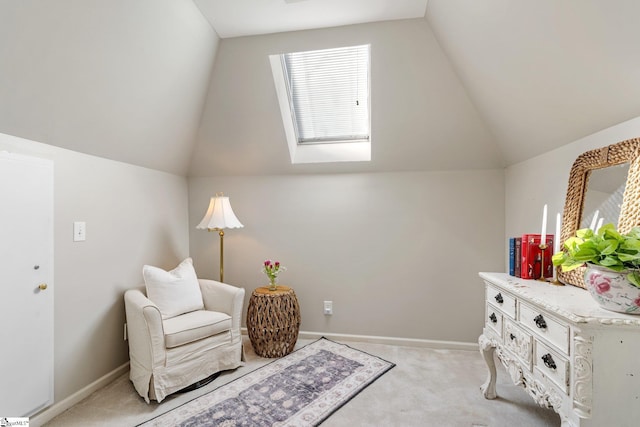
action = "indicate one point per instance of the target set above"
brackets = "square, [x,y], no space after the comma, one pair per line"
[426,388]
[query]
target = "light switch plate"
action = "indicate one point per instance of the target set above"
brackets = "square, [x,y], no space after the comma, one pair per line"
[79,231]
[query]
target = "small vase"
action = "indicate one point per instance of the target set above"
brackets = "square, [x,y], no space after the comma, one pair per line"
[612,290]
[272,285]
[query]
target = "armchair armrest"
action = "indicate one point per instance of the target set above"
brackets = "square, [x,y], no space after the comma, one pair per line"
[224,298]
[145,331]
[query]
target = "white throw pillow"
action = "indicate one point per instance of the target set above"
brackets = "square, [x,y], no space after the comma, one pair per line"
[175,292]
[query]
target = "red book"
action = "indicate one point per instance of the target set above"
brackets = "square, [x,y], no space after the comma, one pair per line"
[531,256]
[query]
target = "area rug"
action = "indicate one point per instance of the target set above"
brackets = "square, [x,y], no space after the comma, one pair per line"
[301,389]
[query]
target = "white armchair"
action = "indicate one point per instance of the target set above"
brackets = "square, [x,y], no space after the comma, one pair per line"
[170,354]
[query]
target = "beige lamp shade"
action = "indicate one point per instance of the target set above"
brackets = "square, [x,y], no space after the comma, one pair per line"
[219,215]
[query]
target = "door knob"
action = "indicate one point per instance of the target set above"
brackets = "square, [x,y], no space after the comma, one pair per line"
[43,286]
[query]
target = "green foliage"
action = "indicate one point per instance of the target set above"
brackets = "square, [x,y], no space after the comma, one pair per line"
[607,248]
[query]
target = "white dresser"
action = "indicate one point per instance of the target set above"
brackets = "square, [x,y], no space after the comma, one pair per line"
[567,352]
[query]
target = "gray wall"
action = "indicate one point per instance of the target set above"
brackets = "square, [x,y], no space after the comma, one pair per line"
[118,79]
[134,216]
[397,253]
[396,248]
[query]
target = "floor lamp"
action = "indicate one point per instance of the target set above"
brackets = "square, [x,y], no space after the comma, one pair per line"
[218,217]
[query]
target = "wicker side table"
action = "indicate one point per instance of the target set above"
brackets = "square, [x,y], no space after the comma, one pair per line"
[273,321]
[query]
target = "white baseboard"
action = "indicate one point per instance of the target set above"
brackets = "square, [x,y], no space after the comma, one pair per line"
[408,342]
[57,408]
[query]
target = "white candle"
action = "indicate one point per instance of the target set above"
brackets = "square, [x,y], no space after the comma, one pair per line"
[594,221]
[556,240]
[543,234]
[600,221]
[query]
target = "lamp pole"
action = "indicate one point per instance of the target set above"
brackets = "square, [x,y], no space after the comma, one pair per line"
[221,233]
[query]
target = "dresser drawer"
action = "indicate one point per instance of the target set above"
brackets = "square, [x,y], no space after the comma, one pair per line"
[494,319]
[541,324]
[519,342]
[553,366]
[500,299]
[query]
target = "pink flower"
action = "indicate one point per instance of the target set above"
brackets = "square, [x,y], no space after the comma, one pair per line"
[272,269]
[637,301]
[602,287]
[600,283]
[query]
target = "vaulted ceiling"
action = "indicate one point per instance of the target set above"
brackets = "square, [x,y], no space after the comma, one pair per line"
[543,73]
[468,84]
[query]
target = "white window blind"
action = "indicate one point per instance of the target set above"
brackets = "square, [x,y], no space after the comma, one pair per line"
[329,94]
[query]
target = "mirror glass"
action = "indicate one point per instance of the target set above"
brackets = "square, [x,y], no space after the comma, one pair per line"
[603,197]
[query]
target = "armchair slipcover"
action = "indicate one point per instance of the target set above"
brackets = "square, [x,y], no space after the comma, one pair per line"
[171,354]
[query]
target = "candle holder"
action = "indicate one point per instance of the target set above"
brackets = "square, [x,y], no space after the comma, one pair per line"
[543,247]
[555,280]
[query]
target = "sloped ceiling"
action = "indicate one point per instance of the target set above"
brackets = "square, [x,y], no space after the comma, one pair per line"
[525,77]
[543,73]
[421,118]
[120,79]
[475,84]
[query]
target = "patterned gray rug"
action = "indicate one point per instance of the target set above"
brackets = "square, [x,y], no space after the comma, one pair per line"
[301,389]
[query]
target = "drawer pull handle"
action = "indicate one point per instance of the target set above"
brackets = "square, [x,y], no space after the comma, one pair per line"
[493,318]
[540,323]
[499,298]
[513,337]
[548,361]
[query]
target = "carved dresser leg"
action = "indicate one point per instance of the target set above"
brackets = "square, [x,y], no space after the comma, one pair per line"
[487,348]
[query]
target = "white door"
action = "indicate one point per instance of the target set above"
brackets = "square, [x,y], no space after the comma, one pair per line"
[26,285]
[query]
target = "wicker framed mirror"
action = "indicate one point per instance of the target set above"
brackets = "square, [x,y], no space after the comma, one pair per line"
[617,154]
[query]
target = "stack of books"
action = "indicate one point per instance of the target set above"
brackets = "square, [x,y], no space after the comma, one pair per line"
[525,256]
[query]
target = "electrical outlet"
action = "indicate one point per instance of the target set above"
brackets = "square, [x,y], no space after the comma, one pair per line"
[328,308]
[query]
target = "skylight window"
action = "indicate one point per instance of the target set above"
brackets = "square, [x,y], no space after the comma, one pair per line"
[324,98]
[329,93]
